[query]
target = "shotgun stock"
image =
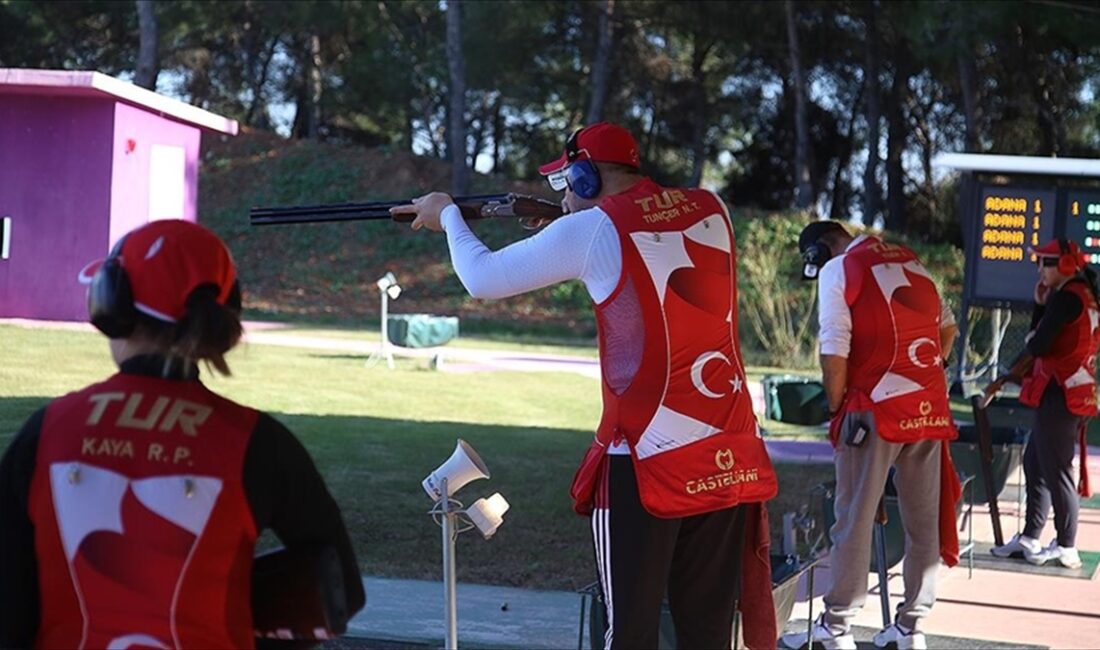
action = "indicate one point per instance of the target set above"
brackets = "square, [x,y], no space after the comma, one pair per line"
[985,448]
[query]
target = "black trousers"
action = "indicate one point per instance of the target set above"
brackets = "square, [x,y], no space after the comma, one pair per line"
[1048,468]
[695,560]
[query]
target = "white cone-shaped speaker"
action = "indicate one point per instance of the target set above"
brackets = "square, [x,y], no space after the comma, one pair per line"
[488,514]
[463,466]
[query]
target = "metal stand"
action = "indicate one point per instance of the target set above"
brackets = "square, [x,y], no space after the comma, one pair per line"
[810,611]
[1021,491]
[447,513]
[450,582]
[879,540]
[968,519]
[383,351]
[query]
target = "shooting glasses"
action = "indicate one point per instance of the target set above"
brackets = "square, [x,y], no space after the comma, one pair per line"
[559,180]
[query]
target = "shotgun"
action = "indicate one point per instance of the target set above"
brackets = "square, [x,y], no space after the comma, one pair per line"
[985,448]
[532,210]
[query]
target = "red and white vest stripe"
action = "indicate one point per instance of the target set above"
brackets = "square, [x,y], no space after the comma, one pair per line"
[673,381]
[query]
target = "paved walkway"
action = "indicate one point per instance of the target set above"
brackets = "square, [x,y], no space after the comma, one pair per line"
[500,617]
[1014,607]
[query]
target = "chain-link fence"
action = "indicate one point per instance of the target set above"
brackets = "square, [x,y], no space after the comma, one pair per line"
[994,339]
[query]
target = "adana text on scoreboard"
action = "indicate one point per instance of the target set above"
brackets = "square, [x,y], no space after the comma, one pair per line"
[1008,203]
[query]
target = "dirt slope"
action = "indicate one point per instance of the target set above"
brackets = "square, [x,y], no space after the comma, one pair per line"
[326,272]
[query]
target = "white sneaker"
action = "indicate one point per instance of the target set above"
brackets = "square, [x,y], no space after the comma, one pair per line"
[823,637]
[1019,544]
[1066,556]
[1069,557]
[902,638]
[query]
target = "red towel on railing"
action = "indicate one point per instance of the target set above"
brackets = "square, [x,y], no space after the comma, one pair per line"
[1083,444]
[756,604]
[950,492]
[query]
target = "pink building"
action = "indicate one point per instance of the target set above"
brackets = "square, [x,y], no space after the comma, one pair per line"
[84,158]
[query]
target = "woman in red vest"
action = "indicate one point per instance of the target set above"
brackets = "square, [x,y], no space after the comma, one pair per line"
[1058,375]
[129,510]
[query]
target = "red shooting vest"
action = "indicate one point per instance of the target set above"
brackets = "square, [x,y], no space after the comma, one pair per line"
[895,366]
[1071,361]
[673,383]
[143,533]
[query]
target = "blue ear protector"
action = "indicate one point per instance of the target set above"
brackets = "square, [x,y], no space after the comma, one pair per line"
[583,176]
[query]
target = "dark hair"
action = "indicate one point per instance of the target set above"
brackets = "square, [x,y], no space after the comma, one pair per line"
[207,331]
[818,230]
[1089,274]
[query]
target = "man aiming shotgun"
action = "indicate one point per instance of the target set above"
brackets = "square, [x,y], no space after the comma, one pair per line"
[676,477]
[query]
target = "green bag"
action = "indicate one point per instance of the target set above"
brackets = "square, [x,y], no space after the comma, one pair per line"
[797,400]
[421,330]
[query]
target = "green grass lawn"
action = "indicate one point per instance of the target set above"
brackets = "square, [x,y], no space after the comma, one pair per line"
[376,433]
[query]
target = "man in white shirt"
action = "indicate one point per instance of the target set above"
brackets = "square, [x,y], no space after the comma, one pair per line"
[883,332]
[675,479]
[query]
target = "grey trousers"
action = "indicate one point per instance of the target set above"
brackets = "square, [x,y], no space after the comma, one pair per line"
[861,474]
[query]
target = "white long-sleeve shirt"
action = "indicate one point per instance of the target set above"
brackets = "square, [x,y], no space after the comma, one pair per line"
[579,246]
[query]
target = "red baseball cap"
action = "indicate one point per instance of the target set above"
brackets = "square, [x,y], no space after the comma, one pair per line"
[165,261]
[1053,248]
[600,142]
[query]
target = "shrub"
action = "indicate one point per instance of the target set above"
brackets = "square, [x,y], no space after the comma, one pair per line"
[776,306]
[778,310]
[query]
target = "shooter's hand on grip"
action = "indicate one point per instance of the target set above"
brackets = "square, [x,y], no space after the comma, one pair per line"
[1021,367]
[993,388]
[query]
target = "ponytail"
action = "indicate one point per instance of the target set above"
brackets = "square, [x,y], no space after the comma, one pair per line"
[209,330]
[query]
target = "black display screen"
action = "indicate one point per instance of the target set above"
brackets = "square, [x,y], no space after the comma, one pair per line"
[1008,220]
[1083,222]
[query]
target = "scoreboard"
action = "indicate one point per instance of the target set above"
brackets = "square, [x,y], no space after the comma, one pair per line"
[1083,222]
[1004,218]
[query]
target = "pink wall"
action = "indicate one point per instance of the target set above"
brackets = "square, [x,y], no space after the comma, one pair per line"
[55,171]
[131,182]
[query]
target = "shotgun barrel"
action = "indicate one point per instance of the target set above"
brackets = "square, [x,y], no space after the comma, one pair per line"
[482,206]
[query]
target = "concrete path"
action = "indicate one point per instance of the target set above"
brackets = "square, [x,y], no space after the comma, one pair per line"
[1009,607]
[495,617]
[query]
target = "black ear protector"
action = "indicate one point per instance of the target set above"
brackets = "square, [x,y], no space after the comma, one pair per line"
[1069,262]
[582,175]
[814,257]
[110,298]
